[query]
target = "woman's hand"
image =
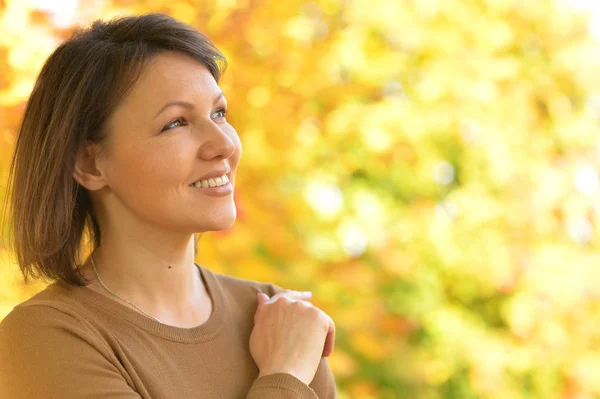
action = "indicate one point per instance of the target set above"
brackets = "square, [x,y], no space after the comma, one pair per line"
[290,335]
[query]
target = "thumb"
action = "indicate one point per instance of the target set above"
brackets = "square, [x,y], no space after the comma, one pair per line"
[262,297]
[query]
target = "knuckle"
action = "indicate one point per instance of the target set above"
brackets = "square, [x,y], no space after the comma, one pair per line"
[323,318]
[312,311]
[281,301]
[302,305]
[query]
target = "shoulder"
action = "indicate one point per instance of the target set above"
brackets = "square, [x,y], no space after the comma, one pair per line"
[43,321]
[53,347]
[49,317]
[28,320]
[55,301]
[236,285]
[44,333]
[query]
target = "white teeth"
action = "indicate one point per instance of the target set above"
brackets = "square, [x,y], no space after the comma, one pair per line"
[219,181]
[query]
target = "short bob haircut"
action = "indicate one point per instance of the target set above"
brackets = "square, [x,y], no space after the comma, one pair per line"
[51,219]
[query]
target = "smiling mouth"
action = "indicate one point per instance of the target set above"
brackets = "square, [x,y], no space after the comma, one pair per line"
[213,182]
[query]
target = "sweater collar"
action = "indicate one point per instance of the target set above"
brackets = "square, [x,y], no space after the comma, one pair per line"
[204,332]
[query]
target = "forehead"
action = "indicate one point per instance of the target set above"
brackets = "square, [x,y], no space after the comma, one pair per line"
[170,76]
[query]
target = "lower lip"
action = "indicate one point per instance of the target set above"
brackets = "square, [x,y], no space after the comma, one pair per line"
[219,191]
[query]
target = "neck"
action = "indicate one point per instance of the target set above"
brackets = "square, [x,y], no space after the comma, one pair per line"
[166,284]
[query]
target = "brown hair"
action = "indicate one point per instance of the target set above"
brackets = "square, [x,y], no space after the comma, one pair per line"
[76,91]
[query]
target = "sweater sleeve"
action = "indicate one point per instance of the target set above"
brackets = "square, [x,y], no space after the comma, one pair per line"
[280,386]
[47,353]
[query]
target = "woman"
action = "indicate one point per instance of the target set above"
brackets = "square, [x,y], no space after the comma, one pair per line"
[125,143]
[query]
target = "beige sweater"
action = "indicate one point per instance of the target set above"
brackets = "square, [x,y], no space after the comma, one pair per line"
[72,342]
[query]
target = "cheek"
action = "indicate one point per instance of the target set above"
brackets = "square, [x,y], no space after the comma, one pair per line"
[148,168]
[148,180]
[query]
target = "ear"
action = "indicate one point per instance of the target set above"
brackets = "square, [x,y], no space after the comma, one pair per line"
[88,171]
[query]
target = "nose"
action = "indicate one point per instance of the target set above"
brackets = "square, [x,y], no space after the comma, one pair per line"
[216,141]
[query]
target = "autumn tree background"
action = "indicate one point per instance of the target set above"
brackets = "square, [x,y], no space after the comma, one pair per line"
[428,168]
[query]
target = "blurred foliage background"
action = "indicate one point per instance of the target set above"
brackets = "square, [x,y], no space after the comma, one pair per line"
[428,168]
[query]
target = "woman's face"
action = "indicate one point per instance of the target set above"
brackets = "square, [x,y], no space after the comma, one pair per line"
[169,132]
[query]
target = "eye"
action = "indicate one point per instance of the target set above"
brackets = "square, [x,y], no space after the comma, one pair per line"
[220,113]
[176,123]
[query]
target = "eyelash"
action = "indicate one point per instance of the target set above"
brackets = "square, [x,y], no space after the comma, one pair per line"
[182,120]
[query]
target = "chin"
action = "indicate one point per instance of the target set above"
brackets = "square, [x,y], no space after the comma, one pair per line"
[219,222]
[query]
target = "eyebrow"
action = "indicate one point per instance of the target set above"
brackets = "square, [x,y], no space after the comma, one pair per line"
[186,104]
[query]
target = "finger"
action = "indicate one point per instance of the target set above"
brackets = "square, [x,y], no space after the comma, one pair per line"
[262,298]
[300,295]
[330,339]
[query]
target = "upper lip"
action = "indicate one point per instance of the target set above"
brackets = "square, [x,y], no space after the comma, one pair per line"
[212,174]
